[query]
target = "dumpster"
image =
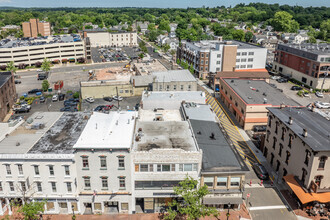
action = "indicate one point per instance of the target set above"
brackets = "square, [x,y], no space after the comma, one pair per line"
[58,85]
[50,89]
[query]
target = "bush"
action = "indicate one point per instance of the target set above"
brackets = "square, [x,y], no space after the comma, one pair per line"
[76,95]
[69,92]
[38,64]
[300,93]
[3,67]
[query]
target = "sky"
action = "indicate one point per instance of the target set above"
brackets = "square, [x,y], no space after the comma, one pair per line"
[151,3]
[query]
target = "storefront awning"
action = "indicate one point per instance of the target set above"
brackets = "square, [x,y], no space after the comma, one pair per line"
[221,200]
[303,196]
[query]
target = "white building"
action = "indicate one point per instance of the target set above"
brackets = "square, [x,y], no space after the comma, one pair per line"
[101,38]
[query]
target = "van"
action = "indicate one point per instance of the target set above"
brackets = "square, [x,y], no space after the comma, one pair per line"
[42,76]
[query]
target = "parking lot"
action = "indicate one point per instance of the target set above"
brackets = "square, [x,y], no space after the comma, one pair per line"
[113,54]
[126,104]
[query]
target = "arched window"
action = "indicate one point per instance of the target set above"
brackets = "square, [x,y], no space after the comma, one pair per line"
[274,143]
[283,132]
[276,127]
[288,154]
[290,140]
[323,159]
[280,150]
[303,176]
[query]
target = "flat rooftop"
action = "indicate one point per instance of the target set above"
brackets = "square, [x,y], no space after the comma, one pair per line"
[159,115]
[171,100]
[4,77]
[61,137]
[104,131]
[318,49]
[218,154]
[26,42]
[212,44]
[258,92]
[24,137]
[318,127]
[174,76]
[145,68]
[164,135]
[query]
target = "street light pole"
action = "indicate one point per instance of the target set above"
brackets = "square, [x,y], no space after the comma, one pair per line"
[228,210]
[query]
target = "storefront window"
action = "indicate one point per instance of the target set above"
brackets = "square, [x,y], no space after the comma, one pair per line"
[222,181]
[208,181]
[235,181]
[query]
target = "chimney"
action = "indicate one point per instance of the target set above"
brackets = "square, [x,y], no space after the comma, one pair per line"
[290,120]
[305,132]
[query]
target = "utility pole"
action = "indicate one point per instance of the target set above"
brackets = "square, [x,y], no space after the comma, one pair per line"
[117,97]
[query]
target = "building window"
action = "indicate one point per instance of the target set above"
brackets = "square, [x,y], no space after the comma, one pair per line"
[288,154]
[181,87]
[103,162]
[87,182]
[238,60]
[238,54]
[202,69]
[124,206]
[303,175]
[1,189]
[208,181]
[206,62]
[39,187]
[244,53]
[202,55]
[222,181]
[174,87]
[280,150]
[8,170]
[202,62]
[250,60]
[11,186]
[277,166]
[51,170]
[283,132]
[290,140]
[122,183]
[307,157]
[218,69]
[274,142]
[168,88]
[276,127]
[23,187]
[243,60]
[36,170]
[235,181]
[189,87]
[121,163]
[243,66]
[270,121]
[249,66]
[53,184]
[20,169]
[218,62]
[69,187]
[271,159]
[318,180]
[322,162]
[267,135]
[285,172]
[218,55]
[207,55]
[251,53]
[104,182]
[85,162]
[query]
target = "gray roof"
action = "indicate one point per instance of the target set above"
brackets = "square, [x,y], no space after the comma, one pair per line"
[306,49]
[318,127]
[258,91]
[4,77]
[174,76]
[142,80]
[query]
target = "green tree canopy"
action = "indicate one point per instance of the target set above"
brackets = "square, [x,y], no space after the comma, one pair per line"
[45,85]
[283,21]
[45,66]
[11,67]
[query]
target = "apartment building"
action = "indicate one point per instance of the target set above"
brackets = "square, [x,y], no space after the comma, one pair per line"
[101,38]
[37,161]
[248,100]
[7,93]
[307,63]
[164,153]
[216,56]
[103,159]
[174,80]
[58,49]
[34,28]
[223,170]
[298,148]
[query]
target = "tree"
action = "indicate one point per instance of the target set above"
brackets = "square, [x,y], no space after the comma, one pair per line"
[325,30]
[11,67]
[45,85]
[248,36]
[191,208]
[45,66]
[166,47]
[32,210]
[191,69]
[138,28]
[153,35]
[238,35]
[283,21]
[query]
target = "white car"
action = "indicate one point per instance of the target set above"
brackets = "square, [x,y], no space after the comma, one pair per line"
[26,106]
[117,98]
[55,98]
[322,105]
[319,94]
[39,70]
[275,77]
[306,94]
[90,99]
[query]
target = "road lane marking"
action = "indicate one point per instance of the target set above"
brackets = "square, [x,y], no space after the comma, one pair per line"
[268,207]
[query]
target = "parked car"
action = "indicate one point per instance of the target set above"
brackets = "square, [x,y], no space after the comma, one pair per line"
[306,94]
[108,99]
[282,80]
[137,106]
[275,77]
[55,98]
[295,88]
[69,109]
[42,76]
[33,91]
[90,99]
[117,98]
[61,97]
[18,81]
[42,99]
[319,94]
[259,128]
[70,103]
[273,85]
[260,171]
[22,110]
[322,104]
[26,106]
[99,108]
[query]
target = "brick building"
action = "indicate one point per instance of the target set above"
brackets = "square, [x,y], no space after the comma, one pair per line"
[7,93]
[34,27]
[306,63]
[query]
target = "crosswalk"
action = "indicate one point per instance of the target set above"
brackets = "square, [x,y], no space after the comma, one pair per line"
[232,131]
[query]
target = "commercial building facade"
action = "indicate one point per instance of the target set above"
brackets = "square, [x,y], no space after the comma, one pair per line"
[217,56]
[34,27]
[102,38]
[7,93]
[298,148]
[174,80]
[307,63]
